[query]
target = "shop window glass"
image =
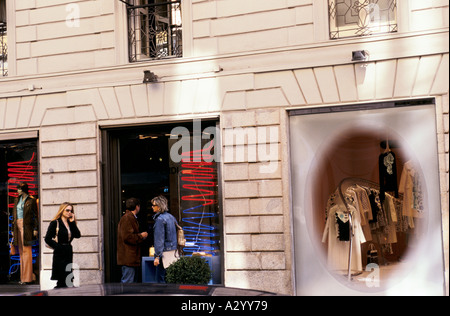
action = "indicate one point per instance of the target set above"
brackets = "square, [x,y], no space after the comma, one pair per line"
[366,203]
[177,161]
[350,18]
[18,163]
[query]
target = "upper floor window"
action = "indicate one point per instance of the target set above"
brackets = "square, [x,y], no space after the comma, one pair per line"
[154,29]
[350,18]
[3,40]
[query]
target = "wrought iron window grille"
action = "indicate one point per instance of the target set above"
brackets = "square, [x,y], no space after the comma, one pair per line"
[353,18]
[154,29]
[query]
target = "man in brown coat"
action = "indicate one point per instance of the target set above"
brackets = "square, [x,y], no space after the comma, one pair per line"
[128,240]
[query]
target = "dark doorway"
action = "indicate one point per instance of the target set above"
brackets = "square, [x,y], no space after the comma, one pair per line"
[138,162]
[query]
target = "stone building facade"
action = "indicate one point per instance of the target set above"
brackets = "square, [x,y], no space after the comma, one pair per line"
[245,65]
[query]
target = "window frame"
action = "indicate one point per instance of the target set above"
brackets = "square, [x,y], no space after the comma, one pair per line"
[11,24]
[350,31]
[3,39]
[148,48]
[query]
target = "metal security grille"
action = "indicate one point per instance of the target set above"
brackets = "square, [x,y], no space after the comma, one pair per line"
[154,29]
[3,50]
[351,18]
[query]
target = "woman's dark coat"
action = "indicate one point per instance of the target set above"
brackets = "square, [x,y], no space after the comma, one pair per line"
[63,252]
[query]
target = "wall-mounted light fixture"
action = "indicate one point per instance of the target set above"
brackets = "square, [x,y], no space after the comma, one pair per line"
[360,55]
[150,77]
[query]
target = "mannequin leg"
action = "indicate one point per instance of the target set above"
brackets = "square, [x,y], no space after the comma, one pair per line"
[26,258]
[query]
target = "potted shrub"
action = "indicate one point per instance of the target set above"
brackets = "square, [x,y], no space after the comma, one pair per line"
[189,270]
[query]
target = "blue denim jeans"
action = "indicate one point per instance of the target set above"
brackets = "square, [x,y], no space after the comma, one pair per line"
[128,274]
[160,273]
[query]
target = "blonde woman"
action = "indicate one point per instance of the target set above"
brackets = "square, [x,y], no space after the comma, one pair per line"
[64,227]
[165,236]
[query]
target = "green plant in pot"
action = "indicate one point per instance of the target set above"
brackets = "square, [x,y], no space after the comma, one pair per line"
[189,270]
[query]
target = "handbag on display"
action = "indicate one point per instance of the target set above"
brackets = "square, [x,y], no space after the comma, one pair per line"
[55,239]
[12,248]
[372,254]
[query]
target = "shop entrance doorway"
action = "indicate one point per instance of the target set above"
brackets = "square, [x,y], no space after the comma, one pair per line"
[174,160]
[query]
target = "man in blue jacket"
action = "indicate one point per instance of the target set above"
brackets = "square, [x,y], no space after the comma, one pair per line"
[165,233]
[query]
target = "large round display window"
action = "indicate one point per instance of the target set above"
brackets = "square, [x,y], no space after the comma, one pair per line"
[366,204]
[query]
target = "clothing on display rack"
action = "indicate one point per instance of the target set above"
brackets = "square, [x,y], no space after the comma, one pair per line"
[356,214]
[410,186]
[388,173]
[361,201]
[343,222]
[338,250]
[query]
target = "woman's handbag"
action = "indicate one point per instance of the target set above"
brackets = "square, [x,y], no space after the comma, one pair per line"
[181,240]
[55,239]
[169,257]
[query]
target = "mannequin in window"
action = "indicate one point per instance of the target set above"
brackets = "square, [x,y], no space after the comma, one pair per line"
[388,172]
[25,231]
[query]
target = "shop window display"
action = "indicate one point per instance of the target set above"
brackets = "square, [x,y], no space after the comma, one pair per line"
[367,202]
[18,163]
[177,161]
[366,210]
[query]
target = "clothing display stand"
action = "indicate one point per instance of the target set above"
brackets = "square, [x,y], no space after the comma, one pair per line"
[343,185]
